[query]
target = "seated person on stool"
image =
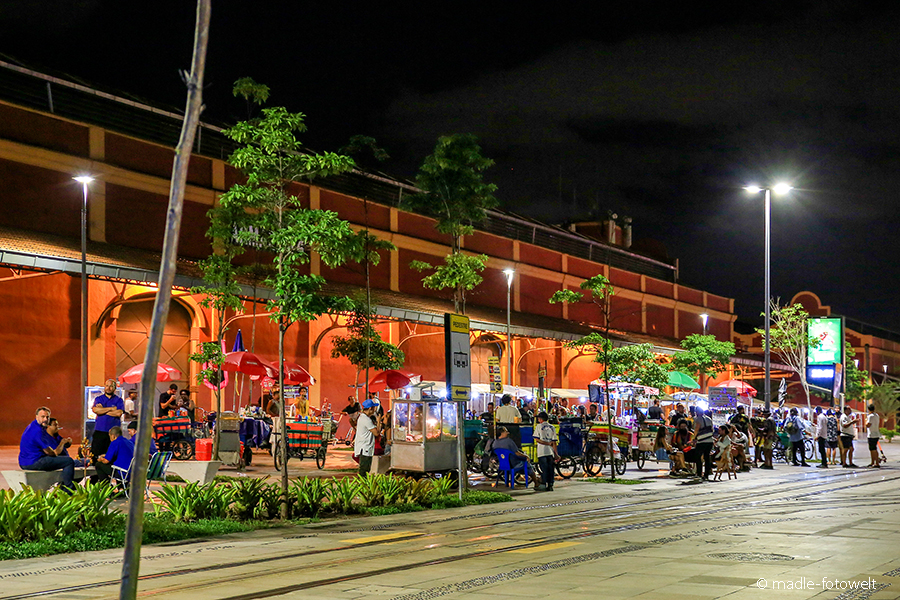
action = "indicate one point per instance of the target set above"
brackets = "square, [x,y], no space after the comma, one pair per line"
[132,435]
[119,454]
[36,455]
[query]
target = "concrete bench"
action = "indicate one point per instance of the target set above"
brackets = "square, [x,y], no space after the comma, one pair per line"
[201,471]
[39,480]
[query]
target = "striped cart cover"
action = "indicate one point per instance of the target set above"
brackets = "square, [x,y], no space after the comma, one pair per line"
[304,436]
[622,435]
[164,425]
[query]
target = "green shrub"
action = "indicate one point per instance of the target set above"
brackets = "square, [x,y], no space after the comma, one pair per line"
[370,491]
[380,511]
[269,506]
[35,515]
[447,502]
[343,494]
[887,433]
[248,493]
[193,501]
[443,485]
[308,495]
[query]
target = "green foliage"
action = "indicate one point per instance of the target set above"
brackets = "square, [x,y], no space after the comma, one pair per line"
[363,345]
[703,355]
[459,272]
[447,502]
[193,501]
[251,91]
[370,491]
[887,434]
[396,509]
[247,496]
[569,296]
[856,383]
[34,515]
[455,192]
[212,355]
[443,486]
[309,495]
[886,398]
[365,151]
[471,497]
[343,495]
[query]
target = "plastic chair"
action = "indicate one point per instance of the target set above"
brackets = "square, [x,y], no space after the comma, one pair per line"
[121,476]
[505,468]
[156,470]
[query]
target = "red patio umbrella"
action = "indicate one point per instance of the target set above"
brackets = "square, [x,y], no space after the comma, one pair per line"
[393,380]
[164,372]
[744,389]
[248,363]
[294,374]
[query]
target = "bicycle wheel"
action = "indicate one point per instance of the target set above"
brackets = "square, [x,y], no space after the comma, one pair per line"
[809,447]
[619,463]
[277,454]
[320,457]
[594,461]
[566,466]
[640,459]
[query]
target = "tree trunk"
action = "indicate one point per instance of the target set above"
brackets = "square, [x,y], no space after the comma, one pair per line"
[135,525]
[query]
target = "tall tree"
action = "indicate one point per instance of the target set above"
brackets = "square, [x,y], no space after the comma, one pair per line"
[703,355]
[856,382]
[456,195]
[789,338]
[601,292]
[134,529]
[363,345]
[274,219]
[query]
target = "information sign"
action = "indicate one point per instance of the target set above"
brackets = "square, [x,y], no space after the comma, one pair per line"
[457,352]
[829,332]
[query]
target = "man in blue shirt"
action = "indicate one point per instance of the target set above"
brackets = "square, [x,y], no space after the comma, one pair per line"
[119,454]
[32,455]
[132,435]
[109,409]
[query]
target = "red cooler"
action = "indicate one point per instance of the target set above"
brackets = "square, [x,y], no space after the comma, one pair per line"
[203,449]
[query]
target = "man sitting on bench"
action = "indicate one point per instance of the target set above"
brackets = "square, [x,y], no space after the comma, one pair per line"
[32,455]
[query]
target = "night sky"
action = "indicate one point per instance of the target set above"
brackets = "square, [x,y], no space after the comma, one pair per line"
[657,111]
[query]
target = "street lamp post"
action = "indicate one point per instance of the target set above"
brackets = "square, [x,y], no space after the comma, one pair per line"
[84,180]
[781,188]
[509,279]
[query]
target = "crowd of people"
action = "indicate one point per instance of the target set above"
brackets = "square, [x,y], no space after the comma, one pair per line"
[43,447]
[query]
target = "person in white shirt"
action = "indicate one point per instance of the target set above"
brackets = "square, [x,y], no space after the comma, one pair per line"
[508,413]
[130,402]
[873,424]
[848,434]
[822,436]
[545,438]
[366,430]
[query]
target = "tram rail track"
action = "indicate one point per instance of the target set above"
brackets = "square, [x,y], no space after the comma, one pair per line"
[625,512]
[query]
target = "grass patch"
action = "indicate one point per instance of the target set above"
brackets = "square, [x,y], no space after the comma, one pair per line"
[380,511]
[342,448]
[618,480]
[471,497]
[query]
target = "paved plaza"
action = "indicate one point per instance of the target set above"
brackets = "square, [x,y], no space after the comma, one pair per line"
[788,533]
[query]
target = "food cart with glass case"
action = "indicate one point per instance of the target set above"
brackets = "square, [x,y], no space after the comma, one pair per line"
[425,435]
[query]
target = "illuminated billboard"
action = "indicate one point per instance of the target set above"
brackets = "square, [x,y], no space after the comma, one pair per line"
[829,331]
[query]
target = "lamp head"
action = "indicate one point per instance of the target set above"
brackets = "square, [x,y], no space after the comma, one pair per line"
[83,179]
[704,317]
[753,189]
[509,275]
[782,188]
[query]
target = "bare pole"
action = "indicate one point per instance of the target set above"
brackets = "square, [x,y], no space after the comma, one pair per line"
[135,524]
[84,308]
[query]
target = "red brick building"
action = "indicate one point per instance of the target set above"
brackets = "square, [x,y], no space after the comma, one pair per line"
[52,130]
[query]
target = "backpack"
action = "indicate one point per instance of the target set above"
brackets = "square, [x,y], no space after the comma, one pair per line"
[791,427]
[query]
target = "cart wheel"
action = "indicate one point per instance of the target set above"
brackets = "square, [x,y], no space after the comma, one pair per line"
[594,461]
[182,450]
[640,459]
[810,448]
[320,457]
[566,467]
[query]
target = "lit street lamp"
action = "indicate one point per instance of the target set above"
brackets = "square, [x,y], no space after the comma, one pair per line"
[509,279]
[780,189]
[705,318]
[84,180]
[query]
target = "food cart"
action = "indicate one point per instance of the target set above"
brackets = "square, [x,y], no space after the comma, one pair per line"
[425,435]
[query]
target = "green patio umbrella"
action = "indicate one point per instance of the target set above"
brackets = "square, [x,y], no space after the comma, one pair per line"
[682,380]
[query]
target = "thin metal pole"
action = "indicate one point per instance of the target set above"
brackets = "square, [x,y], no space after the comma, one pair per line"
[84,309]
[509,373]
[767,389]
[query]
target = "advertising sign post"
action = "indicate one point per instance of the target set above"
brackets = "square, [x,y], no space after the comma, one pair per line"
[459,381]
[825,361]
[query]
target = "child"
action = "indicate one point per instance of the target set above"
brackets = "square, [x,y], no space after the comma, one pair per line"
[723,452]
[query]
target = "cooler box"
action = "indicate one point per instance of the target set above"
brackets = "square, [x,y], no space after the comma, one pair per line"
[203,449]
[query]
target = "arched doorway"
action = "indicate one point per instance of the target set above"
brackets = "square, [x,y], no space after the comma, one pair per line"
[133,330]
